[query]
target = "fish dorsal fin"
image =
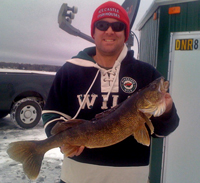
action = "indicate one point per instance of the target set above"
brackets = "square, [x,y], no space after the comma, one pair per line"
[105,113]
[62,126]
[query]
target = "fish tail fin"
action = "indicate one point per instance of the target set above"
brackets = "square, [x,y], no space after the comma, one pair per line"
[142,135]
[29,154]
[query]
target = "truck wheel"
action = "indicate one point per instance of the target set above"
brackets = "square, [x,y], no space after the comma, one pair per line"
[26,113]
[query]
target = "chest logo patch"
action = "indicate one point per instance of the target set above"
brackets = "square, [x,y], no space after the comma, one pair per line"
[128,85]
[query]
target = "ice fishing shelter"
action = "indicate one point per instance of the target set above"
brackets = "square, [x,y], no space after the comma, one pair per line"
[170,41]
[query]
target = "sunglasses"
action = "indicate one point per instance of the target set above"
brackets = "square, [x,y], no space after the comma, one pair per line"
[116,26]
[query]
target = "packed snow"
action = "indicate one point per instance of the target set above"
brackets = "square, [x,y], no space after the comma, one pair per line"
[11,171]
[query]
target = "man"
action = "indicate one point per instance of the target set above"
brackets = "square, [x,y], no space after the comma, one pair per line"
[94,81]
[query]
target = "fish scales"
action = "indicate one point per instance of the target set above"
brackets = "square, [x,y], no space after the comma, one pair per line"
[106,131]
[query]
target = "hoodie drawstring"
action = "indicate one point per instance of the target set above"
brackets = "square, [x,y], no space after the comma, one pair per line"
[114,71]
[86,95]
[113,80]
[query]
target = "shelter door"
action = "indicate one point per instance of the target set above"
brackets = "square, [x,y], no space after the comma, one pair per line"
[182,160]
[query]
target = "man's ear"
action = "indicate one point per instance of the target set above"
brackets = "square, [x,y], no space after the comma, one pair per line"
[124,35]
[93,36]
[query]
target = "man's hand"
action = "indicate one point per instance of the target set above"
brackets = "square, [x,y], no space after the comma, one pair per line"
[168,102]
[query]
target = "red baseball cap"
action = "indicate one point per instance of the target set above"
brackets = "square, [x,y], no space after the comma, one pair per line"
[111,9]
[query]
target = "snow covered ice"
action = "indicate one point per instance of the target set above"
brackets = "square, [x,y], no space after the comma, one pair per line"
[12,171]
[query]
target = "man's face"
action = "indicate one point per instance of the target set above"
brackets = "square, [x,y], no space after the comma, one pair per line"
[109,42]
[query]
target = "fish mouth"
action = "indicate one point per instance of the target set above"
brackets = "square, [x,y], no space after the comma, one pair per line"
[161,107]
[163,86]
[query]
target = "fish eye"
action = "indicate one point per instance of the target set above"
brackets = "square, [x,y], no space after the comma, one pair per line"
[154,86]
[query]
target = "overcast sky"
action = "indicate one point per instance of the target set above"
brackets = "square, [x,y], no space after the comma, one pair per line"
[29,32]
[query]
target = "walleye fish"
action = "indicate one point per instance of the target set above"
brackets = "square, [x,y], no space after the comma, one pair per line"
[107,128]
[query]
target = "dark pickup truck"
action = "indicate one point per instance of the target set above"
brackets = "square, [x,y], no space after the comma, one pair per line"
[23,95]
